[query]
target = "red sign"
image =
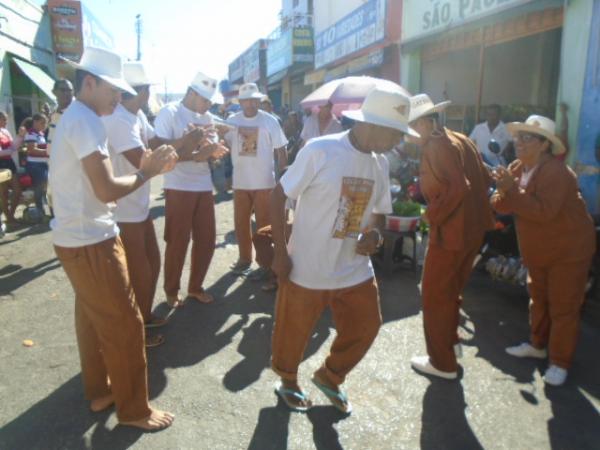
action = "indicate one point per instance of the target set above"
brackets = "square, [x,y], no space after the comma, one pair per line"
[66,19]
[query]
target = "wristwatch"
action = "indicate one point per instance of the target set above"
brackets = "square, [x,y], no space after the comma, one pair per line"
[379,237]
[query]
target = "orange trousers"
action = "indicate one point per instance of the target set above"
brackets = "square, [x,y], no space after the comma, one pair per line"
[244,202]
[357,318]
[188,214]
[557,294]
[143,262]
[445,276]
[109,326]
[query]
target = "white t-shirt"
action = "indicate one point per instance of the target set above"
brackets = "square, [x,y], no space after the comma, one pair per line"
[337,188]
[252,150]
[80,219]
[311,127]
[482,136]
[126,131]
[171,123]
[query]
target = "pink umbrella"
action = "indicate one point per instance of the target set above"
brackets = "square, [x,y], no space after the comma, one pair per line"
[347,91]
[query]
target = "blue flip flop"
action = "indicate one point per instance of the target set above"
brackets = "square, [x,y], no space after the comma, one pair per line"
[282,393]
[331,395]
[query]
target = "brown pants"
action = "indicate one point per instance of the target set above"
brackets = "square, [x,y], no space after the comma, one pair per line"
[143,262]
[445,275]
[263,244]
[357,318]
[557,293]
[109,326]
[244,202]
[188,214]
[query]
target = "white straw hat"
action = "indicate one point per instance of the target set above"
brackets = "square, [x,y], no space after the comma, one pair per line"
[541,126]
[135,74]
[248,91]
[205,86]
[421,106]
[386,108]
[106,65]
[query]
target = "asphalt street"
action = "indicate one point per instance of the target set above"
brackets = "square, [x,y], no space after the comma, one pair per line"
[213,371]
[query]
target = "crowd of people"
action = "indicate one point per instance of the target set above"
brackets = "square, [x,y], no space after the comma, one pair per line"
[104,151]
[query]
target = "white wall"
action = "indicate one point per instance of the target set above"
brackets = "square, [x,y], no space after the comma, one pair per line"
[298,12]
[328,12]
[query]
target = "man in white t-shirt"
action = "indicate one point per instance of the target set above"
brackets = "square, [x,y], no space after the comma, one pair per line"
[129,137]
[492,129]
[255,141]
[109,326]
[189,202]
[320,124]
[341,184]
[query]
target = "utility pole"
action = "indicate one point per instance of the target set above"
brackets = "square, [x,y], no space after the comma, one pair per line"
[138,32]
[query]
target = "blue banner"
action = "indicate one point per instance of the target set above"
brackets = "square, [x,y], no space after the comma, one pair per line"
[360,29]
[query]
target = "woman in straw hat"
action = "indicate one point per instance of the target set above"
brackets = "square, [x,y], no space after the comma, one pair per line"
[556,238]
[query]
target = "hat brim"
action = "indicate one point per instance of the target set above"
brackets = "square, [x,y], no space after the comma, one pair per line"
[214,98]
[360,116]
[558,148]
[256,96]
[119,83]
[437,108]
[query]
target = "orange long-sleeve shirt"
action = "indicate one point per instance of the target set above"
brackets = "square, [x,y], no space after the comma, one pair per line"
[454,182]
[551,216]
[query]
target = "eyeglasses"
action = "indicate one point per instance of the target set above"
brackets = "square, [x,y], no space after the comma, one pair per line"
[526,138]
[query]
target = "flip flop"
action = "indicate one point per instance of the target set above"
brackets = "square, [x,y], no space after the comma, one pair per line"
[202,297]
[155,341]
[155,322]
[334,395]
[174,301]
[283,394]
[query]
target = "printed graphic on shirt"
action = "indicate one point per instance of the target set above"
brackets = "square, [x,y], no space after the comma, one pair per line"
[355,196]
[249,139]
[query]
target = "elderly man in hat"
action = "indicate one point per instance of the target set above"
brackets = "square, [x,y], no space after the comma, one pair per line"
[189,205]
[454,182]
[109,326]
[255,142]
[320,124]
[341,184]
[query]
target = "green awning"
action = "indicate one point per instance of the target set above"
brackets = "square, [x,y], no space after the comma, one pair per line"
[38,77]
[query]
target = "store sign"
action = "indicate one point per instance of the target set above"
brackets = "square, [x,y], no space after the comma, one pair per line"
[94,33]
[251,63]
[356,66]
[65,23]
[425,17]
[292,46]
[236,69]
[361,28]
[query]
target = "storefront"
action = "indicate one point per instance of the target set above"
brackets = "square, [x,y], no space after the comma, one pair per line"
[290,54]
[249,67]
[364,42]
[525,55]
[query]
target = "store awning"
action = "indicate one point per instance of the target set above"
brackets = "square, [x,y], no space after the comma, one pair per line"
[38,77]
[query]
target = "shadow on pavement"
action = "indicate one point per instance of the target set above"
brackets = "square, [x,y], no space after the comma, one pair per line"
[61,421]
[12,277]
[443,422]
[24,231]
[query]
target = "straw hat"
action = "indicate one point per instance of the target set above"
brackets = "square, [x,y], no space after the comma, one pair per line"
[135,74]
[386,108]
[248,91]
[421,106]
[105,64]
[205,86]
[541,126]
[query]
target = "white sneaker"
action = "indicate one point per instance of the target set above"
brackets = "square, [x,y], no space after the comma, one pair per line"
[458,350]
[555,376]
[422,364]
[526,350]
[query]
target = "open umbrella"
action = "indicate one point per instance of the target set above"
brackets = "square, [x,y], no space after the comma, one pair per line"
[347,91]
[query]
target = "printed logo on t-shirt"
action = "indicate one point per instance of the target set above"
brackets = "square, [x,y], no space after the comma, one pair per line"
[249,139]
[355,196]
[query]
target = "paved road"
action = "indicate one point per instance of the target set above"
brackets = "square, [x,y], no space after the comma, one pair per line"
[213,371]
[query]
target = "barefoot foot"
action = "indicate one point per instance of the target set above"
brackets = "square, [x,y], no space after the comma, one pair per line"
[157,420]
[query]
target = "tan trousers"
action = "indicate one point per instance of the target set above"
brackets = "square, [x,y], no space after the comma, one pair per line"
[188,214]
[357,318]
[445,276]
[557,293]
[244,202]
[143,262]
[109,326]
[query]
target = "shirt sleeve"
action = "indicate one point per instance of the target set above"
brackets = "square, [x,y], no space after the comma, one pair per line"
[383,201]
[123,135]
[278,138]
[302,172]
[87,138]
[163,124]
